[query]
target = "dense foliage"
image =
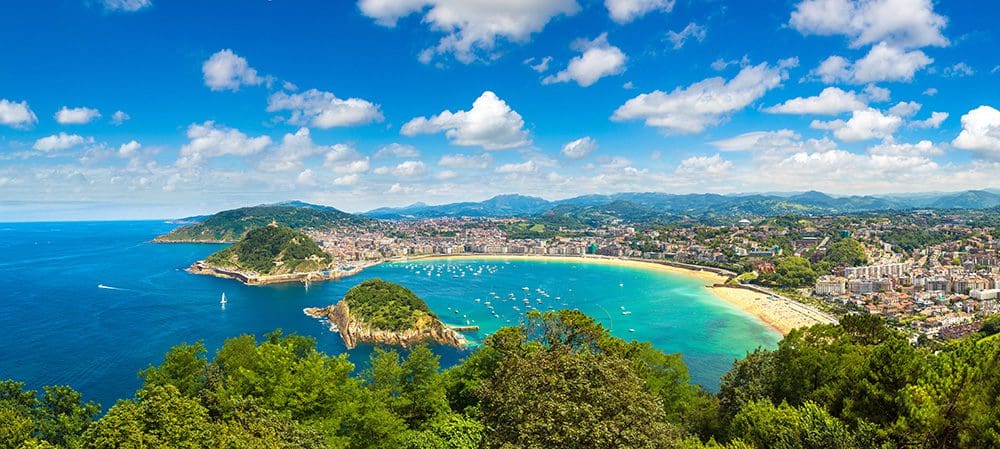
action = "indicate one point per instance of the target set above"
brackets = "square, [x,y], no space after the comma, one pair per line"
[846,252]
[791,271]
[231,225]
[559,380]
[387,306]
[270,250]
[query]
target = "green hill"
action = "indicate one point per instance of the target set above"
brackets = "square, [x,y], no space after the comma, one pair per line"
[272,250]
[231,225]
[388,306]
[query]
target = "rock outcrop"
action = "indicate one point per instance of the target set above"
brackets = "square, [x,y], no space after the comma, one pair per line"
[354,330]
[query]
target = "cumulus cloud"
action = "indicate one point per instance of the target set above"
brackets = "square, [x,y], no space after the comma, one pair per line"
[905,109]
[16,115]
[980,131]
[129,150]
[126,5]
[903,23]
[119,117]
[208,140]
[922,149]
[346,180]
[934,121]
[704,165]
[465,161]
[345,159]
[397,150]
[579,148]
[490,124]
[830,101]
[76,116]
[294,149]
[691,31]
[306,177]
[526,167]
[882,63]
[324,110]
[877,94]
[59,141]
[706,103]
[541,66]
[409,169]
[625,11]
[863,125]
[226,70]
[597,60]
[471,28]
[959,70]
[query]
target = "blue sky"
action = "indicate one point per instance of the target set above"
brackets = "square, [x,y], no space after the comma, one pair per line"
[150,108]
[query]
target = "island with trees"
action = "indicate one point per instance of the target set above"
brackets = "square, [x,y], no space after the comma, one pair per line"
[377,311]
[270,254]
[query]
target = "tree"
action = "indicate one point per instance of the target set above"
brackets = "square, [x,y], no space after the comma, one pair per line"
[846,252]
[792,272]
[183,367]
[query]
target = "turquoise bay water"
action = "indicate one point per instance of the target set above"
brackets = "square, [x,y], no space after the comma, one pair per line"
[60,327]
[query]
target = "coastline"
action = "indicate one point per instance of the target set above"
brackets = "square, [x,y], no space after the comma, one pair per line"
[202,268]
[780,313]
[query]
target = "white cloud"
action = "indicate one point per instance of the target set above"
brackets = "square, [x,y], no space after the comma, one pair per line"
[934,121]
[830,101]
[882,63]
[754,140]
[526,167]
[903,23]
[579,148]
[541,67]
[446,175]
[324,110]
[130,149]
[397,150]
[226,70]
[464,161]
[705,103]
[923,148]
[959,70]
[692,30]
[704,165]
[931,91]
[346,180]
[209,140]
[597,60]
[471,28]
[126,5]
[905,109]
[59,141]
[863,125]
[294,149]
[980,131]
[625,11]
[76,116]
[345,159]
[409,169]
[16,115]
[490,124]
[119,117]
[306,177]
[878,94]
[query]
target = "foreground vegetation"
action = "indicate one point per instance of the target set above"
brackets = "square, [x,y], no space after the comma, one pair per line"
[559,381]
[272,250]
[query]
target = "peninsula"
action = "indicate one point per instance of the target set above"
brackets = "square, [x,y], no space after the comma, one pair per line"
[271,254]
[377,311]
[231,225]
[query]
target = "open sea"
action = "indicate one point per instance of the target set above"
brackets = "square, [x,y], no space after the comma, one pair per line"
[89,304]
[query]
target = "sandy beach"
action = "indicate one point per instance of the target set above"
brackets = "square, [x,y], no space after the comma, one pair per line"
[779,313]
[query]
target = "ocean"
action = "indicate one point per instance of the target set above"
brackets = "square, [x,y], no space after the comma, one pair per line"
[90,304]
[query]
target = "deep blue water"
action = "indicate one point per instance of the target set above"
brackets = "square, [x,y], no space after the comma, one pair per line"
[59,327]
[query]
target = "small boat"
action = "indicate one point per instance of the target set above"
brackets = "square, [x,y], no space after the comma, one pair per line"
[621,284]
[626,312]
[223,301]
[631,330]
[477,300]
[525,288]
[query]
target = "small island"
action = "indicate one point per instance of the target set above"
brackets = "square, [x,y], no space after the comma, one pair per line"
[271,254]
[377,311]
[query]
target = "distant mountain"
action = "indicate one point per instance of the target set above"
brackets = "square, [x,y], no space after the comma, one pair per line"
[498,206]
[231,225]
[972,199]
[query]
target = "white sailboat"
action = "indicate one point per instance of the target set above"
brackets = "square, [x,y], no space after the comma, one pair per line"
[223,301]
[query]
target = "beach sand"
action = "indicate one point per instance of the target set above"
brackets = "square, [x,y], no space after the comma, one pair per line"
[780,314]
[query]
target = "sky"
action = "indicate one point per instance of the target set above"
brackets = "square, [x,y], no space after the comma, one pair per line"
[129,109]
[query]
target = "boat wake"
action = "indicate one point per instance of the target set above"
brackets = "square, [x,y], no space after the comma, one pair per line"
[108,287]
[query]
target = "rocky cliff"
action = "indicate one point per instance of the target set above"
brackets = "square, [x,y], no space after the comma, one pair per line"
[354,330]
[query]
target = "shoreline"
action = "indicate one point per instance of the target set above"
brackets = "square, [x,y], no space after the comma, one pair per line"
[253,279]
[780,314]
